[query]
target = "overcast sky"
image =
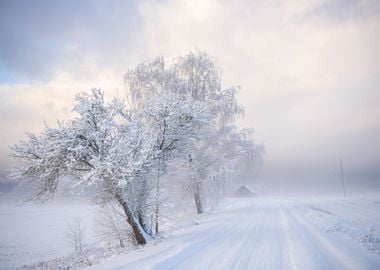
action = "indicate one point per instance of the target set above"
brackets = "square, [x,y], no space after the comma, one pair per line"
[309,70]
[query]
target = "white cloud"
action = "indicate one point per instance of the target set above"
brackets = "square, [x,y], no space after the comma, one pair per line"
[299,63]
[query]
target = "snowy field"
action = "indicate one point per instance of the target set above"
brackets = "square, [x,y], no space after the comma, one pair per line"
[30,233]
[240,234]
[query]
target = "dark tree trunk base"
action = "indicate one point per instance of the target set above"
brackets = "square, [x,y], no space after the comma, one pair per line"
[136,227]
[197,199]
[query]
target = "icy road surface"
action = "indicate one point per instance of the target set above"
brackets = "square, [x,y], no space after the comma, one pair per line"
[268,234]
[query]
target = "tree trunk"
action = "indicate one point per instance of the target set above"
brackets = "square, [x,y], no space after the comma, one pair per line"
[141,214]
[197,198]
[157,212]
[121,242]
[196,190]
[138,231]
[144,223]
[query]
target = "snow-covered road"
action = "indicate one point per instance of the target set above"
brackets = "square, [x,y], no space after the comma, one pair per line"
[267,234]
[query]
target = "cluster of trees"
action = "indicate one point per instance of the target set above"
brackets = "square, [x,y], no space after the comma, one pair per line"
[121,150]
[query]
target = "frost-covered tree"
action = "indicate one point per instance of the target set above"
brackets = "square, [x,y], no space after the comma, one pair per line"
[199,77]
[178,121]
[75,235]
[103,147]
[195,79]
[110,149]
[121,150]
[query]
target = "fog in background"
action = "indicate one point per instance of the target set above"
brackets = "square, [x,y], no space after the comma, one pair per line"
[309,72]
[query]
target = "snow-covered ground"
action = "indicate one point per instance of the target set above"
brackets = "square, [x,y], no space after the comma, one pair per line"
[269,234]
[253,233]
[31,233]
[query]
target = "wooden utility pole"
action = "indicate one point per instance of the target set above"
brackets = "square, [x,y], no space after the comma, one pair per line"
[341,173]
